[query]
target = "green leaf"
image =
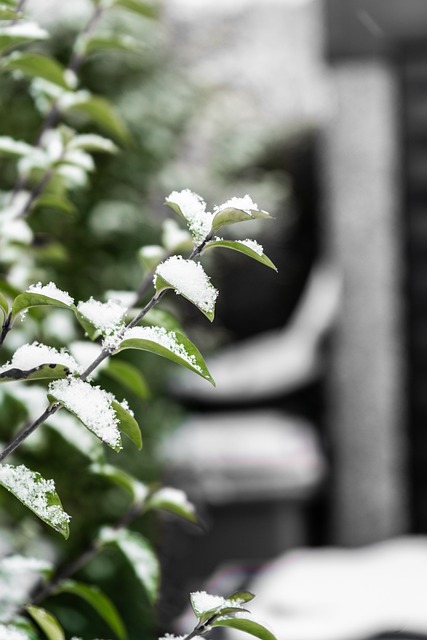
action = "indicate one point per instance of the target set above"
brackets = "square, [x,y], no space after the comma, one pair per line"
[140,554]
[245,623]
[230,215]
[53,201]
[241,596]
[15,34]
[242,248]
[28,300]
[98,601]
[37,494]
[15,148]
[173,500]
[102,113]
[92,332]
[127,424]
[168,344]
[137,489]
[4,305]
[47,371]
[36,65]
[114,42]
[129,376]
[7,12]
[47,622]
[161,318]
[145,9]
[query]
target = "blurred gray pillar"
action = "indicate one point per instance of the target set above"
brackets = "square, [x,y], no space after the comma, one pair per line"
[362,226]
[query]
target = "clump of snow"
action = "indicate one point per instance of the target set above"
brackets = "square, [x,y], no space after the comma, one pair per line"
[252,244]
[18,563]
[189,279]
[245,204]
[203,601]
[50,290]
[11,633]
[30,356]
[92,405]
[171,636]
[105,316]
[166,339]
[33,491]
[193,208]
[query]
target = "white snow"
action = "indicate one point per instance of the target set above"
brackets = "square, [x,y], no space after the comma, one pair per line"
[30,356]
[193,208]
[92,405]
[19,564]
[252,244]
[175,496]
[25,30]
[189,279]
[203,601]
[33,491]
[50,290]
[166,339]
[245,204]
[105,316]
[11,633]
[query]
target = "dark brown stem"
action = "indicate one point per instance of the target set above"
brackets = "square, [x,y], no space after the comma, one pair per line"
[7,325]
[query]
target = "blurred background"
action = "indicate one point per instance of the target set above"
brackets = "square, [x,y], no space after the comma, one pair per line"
[314,438]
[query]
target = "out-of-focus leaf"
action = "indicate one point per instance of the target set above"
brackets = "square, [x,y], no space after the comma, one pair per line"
[98,601]
[37,494]
[7,12]
[92,142]
[4,305]
[19,33]
[140,554]
[145,9]
[241,247]
[11,147]
[137,489]
[47,622]
[113,42]
[53,201]
[129,376]
[173,500]
[36,65]
[164,319]
[103,114]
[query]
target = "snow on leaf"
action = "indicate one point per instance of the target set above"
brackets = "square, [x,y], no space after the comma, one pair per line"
[250,248]
[37,494]
[192,208]
[41,357]
[140,554]
[237,210]
[92,405]
[175,238]
[107,317]
[188,279]
[204,603]
[169,344]
[39,295]
[173,500]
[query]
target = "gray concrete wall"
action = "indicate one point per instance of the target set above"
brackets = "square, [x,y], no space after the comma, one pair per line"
[363,236]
